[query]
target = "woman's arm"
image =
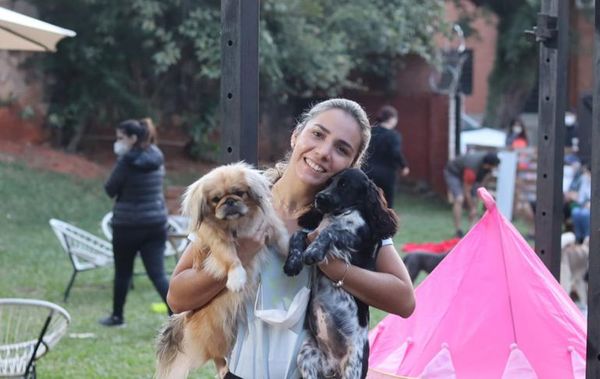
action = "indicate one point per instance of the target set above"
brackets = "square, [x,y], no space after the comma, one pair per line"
[116,179]
[389,288]
[191,289]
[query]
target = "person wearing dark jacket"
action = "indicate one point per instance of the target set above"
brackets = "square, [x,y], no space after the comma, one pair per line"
[384,156]
[139,213]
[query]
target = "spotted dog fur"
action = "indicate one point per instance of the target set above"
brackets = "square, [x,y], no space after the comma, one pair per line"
[357,219]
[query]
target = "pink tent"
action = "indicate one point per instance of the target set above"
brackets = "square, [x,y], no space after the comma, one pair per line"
[490,310]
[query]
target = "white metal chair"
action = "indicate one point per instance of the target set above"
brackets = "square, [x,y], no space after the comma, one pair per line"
[85,250]
[28,330]
[175,226]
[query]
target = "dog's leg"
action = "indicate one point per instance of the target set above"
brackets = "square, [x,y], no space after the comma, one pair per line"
[310,359]
[353,366]
[411,261]
[317,250]
[221,366]
[293,263]
[178,351]
[223,261]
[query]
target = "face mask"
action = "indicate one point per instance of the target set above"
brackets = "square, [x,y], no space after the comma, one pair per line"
[569,120]
[121,148]
[517,129]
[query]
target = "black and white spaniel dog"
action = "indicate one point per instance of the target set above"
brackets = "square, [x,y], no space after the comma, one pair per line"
[356,219]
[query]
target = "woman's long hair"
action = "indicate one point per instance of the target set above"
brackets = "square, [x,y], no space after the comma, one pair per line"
[143,129]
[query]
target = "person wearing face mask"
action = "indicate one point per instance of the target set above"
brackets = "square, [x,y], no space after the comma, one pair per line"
[329,137]
[516,136]
[571,132]
[139,219]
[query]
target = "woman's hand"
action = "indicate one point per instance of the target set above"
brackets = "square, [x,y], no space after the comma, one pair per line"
[249,245]
[389,288]
[315,233]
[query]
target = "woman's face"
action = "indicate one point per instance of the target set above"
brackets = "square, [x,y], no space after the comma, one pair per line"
[328,144]
[128,140]
[391,123]
[123,142]
[517,127]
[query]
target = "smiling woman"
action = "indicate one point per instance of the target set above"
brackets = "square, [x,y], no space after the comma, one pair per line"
[329,137]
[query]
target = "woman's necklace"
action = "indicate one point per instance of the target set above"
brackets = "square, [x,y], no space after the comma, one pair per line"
[286,209]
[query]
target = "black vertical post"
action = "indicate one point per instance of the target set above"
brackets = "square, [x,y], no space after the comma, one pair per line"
[593,322]
[552,32]
[239,80]
[458,122]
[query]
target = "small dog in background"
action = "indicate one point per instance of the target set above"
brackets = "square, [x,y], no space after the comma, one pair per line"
[574,266]
[356,219]
[421,261]
[230,201]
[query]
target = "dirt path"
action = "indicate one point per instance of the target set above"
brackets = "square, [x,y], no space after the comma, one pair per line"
[98,166]
[46,158]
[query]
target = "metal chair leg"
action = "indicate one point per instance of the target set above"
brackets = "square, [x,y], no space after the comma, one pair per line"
[70,285]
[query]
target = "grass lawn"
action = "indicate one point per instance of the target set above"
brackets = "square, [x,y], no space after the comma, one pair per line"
[34,266]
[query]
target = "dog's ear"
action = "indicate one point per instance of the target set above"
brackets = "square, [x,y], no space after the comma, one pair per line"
[194,206]
[258,185]
[382,220]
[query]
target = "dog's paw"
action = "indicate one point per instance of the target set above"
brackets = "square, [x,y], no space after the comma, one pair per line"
[236,279]
[293,266]
[312,257]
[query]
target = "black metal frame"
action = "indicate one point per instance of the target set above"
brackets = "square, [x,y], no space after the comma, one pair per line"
[239,80]
[552,33]
[75,271]
[593,322]
[30,369]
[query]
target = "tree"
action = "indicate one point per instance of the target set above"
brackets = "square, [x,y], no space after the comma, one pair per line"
[162,57]
[515,67]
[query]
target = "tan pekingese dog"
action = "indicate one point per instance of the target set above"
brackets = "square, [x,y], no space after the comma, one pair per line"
[230,201]
[574,266]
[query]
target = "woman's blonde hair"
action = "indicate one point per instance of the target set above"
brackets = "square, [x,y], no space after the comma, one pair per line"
[351,108]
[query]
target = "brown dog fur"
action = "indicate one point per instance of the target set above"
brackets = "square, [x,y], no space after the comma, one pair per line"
[229,202]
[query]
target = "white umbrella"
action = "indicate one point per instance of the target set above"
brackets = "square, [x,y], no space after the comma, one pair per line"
[20,32]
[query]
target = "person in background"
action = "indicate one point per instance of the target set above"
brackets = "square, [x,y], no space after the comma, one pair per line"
[331,136]
[384,155]
[571,129]
[516,137]
[578,200]
[139,220]
[463,175]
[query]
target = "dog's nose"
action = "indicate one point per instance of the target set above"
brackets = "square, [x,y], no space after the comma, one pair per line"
[230,201]
[322,200]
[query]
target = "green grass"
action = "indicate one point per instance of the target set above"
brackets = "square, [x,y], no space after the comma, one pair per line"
[34,266]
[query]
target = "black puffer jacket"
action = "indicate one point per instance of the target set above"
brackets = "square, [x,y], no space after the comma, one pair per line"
[385,151]
[137,183]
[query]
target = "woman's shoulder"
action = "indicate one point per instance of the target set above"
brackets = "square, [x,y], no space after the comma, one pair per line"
[150,158]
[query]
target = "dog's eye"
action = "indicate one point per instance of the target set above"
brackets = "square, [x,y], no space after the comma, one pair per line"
[239,193]
[342,183]
[215,199]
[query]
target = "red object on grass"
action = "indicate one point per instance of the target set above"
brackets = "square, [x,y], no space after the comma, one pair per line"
[430,247]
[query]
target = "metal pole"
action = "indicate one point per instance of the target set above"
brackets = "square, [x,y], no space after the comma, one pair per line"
[593,322]
[239,80]
[552,32]
[457,121]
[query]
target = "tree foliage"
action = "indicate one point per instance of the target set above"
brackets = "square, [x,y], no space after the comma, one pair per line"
[162,57]
[514,73]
